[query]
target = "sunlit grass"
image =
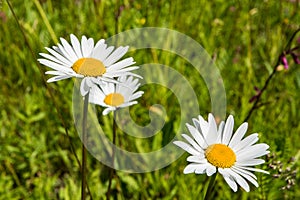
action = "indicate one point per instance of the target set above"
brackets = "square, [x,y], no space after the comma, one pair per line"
[244,39]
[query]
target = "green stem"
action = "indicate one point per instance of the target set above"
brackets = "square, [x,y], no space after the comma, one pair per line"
[112,170]
[208,194]
[84,140]
[287,48]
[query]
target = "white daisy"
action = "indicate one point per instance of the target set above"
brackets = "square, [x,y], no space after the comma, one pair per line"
[116,95]
[215,149]
[93,63]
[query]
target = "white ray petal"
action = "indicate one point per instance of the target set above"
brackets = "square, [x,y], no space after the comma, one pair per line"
[115,56]
[210,170]
[239,134]
[187,147]
[246,142]
[60,57]
[249,162]
[192,142]
[68,49]
[108,110]
[228,130]
[55,66]
[220,132]
[191,168]
[121,64]
[228,178]
[58,78]
[197,136]
[240,180]
[197,159]
[212,130]
[76,46]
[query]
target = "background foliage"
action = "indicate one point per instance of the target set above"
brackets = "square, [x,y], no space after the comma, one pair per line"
[244,39]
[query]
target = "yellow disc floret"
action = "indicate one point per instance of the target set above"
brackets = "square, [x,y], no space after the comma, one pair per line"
[114,99]
[89,67]
[220,155]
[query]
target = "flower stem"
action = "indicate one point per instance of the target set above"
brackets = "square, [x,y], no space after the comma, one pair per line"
[208,194]
[287,49]
[112,170]
[84,140]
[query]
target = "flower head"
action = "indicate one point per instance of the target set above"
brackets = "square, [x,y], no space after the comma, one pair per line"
[93,63]
[215,149]
[284,62]
[116,95]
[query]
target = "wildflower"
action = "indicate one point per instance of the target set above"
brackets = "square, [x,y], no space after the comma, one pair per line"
[92,63]
[219,150]
[116,95]
[284,62]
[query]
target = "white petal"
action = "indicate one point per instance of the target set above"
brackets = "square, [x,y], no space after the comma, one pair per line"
[57,73]
[196,123]
[57,78]
[249,162]
[76,46]
[104,53]
[231,182]
[254,169]
[239,134]
[121,64]
[247,141]
[197,159]
[55,66]
[192,142]
[253,152]
[228,178]
[245,175]
[60,57]
[117,74]
[108,110]
[244,171]
[210,170]
[197,136]
[191,168]
[84,88]
[99,50]
[220,132]
[115,56]
[87,46]
[68,49]
[228,129]
[240,180]
[212,130]
[187,147]
[54,59]
[201,169]
[204,126]
[66,54]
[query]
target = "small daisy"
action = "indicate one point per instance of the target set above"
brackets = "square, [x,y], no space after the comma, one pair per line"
[116,95]
[215,149]
[84,60]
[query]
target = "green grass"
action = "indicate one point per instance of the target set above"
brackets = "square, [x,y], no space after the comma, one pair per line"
[244,37]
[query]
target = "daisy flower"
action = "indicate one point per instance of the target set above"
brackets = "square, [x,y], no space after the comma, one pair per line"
[92,63]
[116,95]
[215,149]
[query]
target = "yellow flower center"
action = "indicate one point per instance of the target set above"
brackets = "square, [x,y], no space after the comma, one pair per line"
[89,67]
[220,155]
[114,99]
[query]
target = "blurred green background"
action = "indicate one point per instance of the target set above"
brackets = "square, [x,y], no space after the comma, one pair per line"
[244,38]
